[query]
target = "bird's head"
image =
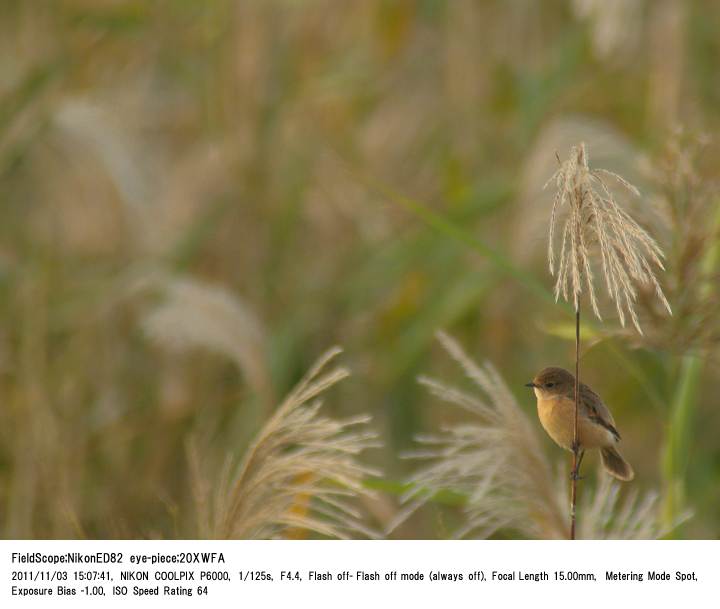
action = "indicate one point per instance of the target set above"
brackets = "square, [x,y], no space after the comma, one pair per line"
[551,382]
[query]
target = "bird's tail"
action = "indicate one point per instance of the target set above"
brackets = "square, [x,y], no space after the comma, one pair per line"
[616,465]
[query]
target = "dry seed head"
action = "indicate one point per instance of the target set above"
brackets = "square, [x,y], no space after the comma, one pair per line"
[495,459]
[628,254]
[301,473]
[198,315]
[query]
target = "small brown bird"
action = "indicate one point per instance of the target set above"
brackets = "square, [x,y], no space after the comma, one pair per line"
[555,391]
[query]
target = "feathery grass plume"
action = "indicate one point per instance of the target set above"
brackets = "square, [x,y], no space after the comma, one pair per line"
[610,149]
[198,315]
[300,472]
[627,252]
[636,517]
[688,217]
[498,464]
[102,129]
[615,25]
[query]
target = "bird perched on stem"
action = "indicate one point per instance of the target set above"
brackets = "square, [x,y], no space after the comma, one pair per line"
[555,392]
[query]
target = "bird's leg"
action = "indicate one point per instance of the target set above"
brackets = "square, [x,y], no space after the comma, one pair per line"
[575,473]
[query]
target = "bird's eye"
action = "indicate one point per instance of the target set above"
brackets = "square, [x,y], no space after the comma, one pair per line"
[549,384]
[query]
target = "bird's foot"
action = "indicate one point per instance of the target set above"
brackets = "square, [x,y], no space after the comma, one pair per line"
[575,471]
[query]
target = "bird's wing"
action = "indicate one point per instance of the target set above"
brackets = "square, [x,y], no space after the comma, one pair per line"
[597,412]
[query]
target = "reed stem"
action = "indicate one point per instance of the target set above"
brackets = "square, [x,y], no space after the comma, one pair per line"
[576,444]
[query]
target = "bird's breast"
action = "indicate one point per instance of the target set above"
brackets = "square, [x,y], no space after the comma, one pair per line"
[557,416]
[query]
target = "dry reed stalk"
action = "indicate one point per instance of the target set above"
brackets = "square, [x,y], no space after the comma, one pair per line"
[627,254]
[300,473]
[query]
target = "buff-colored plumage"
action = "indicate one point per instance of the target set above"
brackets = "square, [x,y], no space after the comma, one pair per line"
[555,392]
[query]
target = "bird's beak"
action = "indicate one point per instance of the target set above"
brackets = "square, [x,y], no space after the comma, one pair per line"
[531,384]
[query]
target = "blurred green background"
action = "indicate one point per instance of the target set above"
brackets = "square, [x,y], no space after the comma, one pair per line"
[360,173]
